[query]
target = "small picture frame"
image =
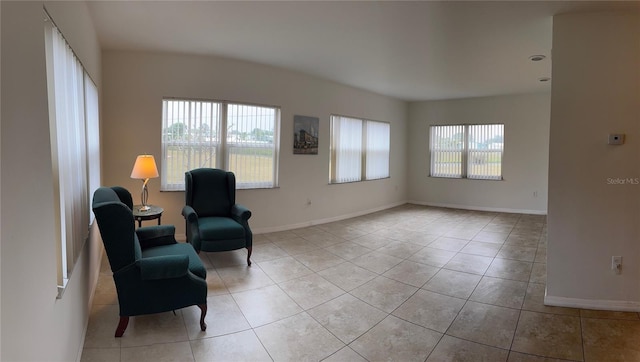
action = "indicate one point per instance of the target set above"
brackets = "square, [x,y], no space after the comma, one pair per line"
[305,135]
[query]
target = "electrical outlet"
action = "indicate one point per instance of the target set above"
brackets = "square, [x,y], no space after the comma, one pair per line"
[616,264]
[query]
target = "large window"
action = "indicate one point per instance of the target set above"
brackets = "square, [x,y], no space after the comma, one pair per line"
[467,151]
[359,150]
[236,137]
[75,147]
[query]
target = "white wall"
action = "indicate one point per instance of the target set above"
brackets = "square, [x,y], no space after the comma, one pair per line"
[35,325]
[526,127]
[0,183]
[596,91]
[136,82]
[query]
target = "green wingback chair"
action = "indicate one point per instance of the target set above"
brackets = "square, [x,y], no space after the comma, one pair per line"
[152,272]
[214,221]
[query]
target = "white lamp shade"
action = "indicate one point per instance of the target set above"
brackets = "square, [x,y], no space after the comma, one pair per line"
[144,168]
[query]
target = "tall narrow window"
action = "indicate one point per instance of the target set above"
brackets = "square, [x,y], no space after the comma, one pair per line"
[447,148]
[359,150]
[251,148]
[236,137]
[346,149]
[377,154]
[74,127]
[485,146]
[467,151]
[92,117]
[190,139]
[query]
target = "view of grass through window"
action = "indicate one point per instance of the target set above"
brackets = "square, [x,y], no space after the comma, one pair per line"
[235,137]
[467,151]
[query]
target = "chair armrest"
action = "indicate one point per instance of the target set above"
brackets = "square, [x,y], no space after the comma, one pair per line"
[240,213]
[190,215]
[192,230]
[150,236]
[163,267]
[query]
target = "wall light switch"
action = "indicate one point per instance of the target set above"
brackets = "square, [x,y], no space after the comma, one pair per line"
[616,138]
[616,264]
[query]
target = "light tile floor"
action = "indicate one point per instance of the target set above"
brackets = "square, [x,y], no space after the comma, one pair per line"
[412,283]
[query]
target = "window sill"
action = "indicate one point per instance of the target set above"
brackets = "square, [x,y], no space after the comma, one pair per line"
[466,178]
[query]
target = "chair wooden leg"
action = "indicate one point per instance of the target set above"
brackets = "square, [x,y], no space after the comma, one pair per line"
[203,313]
[249,249]
[122,325]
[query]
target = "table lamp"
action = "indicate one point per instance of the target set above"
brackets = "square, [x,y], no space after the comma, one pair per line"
[144,169]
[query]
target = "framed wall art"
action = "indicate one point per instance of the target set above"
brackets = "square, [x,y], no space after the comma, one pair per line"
[305,135]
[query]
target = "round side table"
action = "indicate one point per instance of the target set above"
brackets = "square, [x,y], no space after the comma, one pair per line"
[155,212]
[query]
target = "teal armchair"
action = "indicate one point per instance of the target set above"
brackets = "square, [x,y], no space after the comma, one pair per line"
[214,221]
[152,272]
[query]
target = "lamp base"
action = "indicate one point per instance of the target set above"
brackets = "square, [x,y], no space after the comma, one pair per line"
[144,196]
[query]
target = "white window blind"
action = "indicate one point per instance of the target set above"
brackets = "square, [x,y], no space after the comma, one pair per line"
[485,147]
[467,151]
[359,149]
[74,134]
[251,150]
[377,156]
[346,149]
[447,147]
[190,139]
[92,111]
[240,138]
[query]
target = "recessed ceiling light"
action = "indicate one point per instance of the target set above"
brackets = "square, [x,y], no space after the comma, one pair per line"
[544,79]
[536,58]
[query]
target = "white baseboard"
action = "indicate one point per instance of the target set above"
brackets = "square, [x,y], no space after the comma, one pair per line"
[613,305]
[480,208]
[325,220]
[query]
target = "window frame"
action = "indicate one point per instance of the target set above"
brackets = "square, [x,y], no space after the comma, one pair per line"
[464,150]
[220,145]
[364,150]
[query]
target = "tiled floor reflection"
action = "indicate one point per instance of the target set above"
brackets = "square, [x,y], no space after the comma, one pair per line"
[412,283]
